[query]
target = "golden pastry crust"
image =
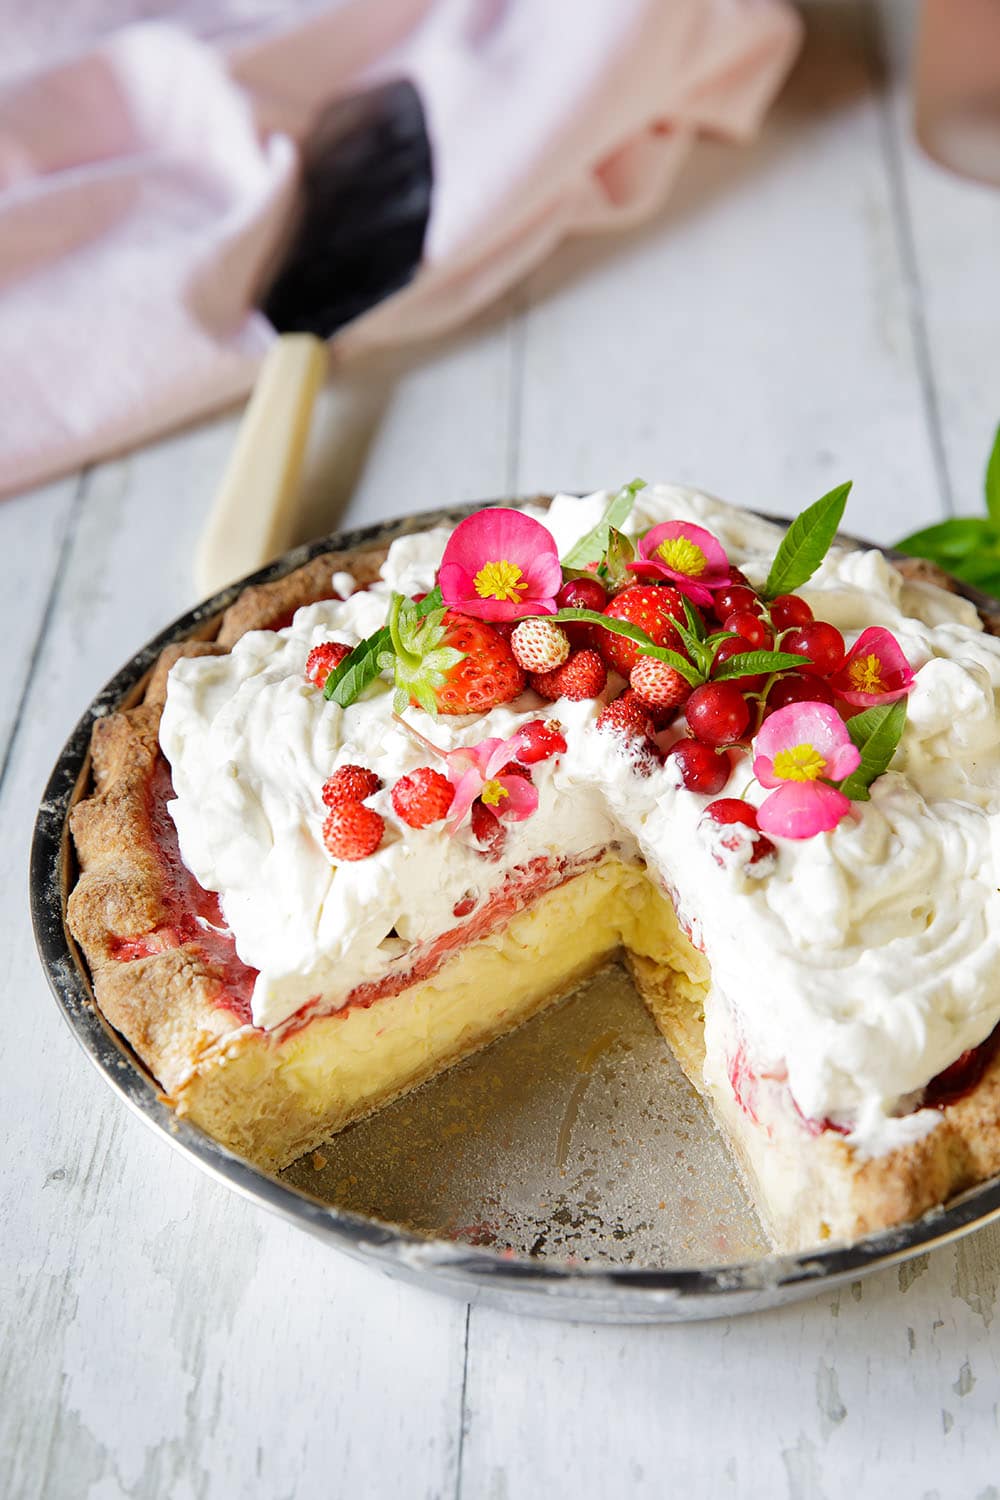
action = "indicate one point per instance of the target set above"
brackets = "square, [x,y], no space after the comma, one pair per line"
[236,1080]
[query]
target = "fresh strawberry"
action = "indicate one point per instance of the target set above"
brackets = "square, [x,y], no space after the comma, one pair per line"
[322,660]
[487,830]
[539,646]
[352,831]
[423,797]
[583,675]
[350,784]
[538,739]
[486,676]
[653,608]
[658,687]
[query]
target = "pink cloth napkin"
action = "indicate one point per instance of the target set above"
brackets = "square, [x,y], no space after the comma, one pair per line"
[147,185]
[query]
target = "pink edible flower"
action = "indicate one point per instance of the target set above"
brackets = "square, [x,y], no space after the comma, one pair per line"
[690,557]
[797,750]
[477,771]
[874,670]
[500,565]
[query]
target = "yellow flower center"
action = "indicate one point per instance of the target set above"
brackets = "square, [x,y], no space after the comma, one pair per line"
[500,580]
[493,792]
[799,763]
[865,673]
[683,555]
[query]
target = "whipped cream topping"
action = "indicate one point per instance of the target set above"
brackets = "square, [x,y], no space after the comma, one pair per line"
[856,966]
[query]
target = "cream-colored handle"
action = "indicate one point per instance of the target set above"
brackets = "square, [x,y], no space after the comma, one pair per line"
[253,515]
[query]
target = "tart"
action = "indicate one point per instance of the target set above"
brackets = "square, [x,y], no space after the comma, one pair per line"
[408,797]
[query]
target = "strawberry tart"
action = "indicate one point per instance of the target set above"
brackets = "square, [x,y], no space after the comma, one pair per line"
[406,798]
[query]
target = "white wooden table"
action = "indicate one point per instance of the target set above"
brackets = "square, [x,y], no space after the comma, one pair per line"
[821,305]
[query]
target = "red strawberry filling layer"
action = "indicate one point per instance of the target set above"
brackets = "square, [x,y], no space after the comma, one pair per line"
[194,917]
[948,1086]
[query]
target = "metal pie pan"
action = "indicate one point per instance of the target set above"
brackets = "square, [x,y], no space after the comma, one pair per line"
[585,1239]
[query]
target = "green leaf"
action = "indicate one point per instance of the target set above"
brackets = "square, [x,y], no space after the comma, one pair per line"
[695,623]
[592,547]
[993,481]
[362,666]
[806,543]
[752,663]
[680,664]
[948,542]
[877,733]
[614,568]
[693,638]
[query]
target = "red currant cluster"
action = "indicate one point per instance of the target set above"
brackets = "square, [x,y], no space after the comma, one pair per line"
[728,713]
[720,714]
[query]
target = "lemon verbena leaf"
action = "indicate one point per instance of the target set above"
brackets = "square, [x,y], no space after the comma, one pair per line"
[368,658]
[592,547]
[674,659]
[751,663]
[877,733]
[806,543]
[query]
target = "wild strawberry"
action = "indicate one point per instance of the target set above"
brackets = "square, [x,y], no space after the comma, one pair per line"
[350,784]
[583,675]
[658,687]
[654,608]
[625,715]
[538,739]
[322,660]
[539,646]
[734,838]
[423,797]
[487,830]
[352,831]
[486,676]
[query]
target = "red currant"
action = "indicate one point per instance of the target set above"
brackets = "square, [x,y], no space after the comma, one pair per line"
[822,643]
[796,687]
[717,713]
[729,810]
[737,647]
[756,632]
[789,610]
[701,768]
[735,597]
[582,593]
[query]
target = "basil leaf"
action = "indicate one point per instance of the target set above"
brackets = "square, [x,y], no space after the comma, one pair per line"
[362,666]
[592,547]
[674,659]
[993,481]
[751,663]
[877,733]
[806,543]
